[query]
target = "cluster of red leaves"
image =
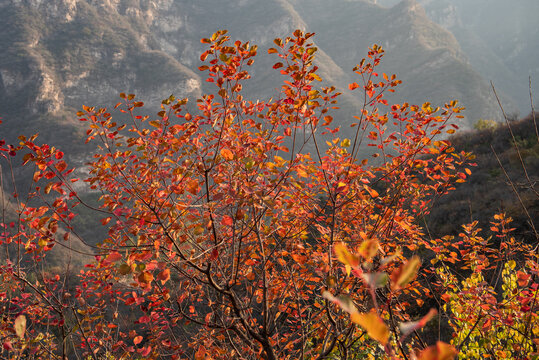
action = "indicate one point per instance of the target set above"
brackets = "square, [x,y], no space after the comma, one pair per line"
[224,220]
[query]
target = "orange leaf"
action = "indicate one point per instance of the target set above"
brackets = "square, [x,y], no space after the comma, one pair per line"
[61,166]
[440,351]
[522,278]
[373,324]
[192,187]
[201,353]
[164,276]
[145,277]
[227,154]
[137,340]
[405,273]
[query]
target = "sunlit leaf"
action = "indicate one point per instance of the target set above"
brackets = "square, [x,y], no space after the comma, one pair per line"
[403,275]
[345,256]
[440,351]
[407,328]
[137,339]
[373,324]
[20,326]
[227,154]
[369,248]
[344,302]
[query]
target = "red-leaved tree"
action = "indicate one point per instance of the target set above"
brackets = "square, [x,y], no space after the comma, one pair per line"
[236,229]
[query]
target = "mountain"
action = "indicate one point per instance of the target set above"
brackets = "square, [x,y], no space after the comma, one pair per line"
[501,43]
[426,57]
[60,54]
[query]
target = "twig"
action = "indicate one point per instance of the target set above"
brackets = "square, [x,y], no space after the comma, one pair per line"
[516,193]
[533,110]
[514,141]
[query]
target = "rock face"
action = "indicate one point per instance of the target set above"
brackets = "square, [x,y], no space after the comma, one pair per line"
[60,54]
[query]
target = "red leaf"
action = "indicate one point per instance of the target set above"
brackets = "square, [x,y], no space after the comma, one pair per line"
[227,221]
[114,256]
[146,351]
[61,166]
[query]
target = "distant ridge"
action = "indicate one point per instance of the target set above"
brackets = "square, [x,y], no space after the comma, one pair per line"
[60,54]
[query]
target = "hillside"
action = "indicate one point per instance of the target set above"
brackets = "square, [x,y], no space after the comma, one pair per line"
[488,191]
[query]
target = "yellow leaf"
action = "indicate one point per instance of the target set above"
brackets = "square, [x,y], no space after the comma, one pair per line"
[198,230]
[373,324]
[346,257]
[368,248]
[301,172]
[316,77]
[20,326]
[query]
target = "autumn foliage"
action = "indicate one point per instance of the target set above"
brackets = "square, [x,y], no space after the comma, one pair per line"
[245,230]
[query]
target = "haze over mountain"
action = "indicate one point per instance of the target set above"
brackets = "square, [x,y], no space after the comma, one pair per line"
[499,39]
[60,54]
